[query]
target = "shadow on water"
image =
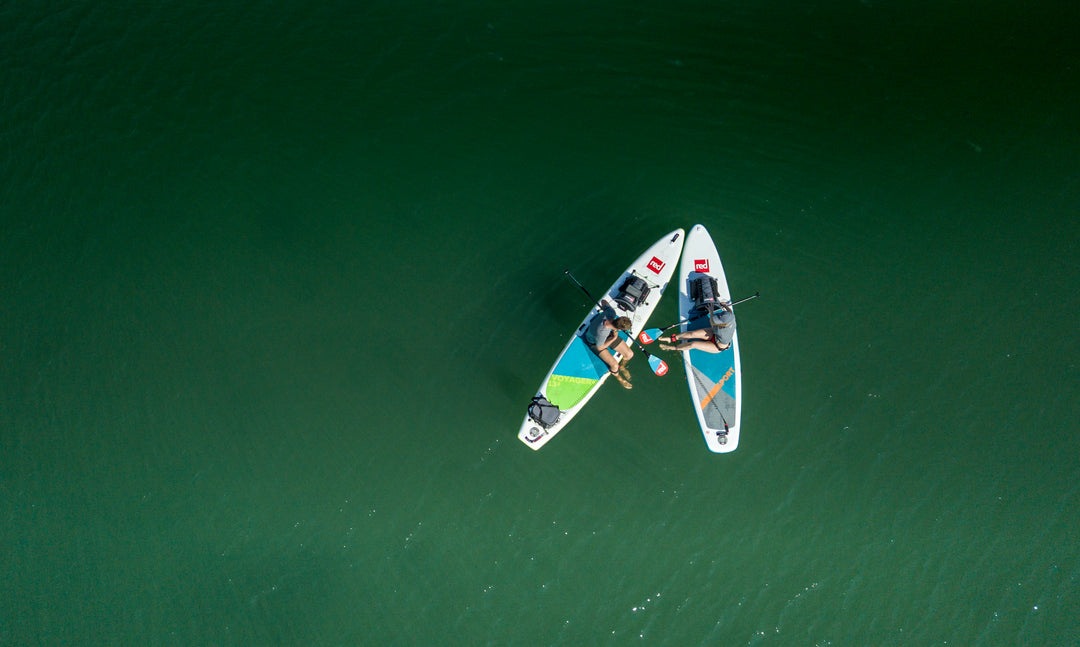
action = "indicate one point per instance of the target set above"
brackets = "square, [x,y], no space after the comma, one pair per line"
[538,337]
[513,386]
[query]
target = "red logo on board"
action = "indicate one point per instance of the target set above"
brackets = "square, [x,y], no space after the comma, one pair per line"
[656,265]
[701,265]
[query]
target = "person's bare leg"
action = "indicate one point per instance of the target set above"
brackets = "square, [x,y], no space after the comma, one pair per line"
[609,359]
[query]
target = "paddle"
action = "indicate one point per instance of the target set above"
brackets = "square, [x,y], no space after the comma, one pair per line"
[658,365]
[652,334]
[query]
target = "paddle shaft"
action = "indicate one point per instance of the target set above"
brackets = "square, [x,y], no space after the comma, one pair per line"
[735,303]
[752,296]
[578,283]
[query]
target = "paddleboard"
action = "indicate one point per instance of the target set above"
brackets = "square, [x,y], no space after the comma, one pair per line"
[578,372]
[715,379]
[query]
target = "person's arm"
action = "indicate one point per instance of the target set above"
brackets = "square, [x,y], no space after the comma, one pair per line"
[612,337]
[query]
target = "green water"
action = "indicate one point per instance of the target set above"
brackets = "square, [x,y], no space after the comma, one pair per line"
[278,281]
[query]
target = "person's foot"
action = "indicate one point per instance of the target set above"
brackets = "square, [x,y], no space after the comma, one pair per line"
[667,347]
[623,381]
[623,371]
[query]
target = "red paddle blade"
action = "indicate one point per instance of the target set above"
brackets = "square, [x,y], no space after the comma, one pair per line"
[658,365]
[645,338]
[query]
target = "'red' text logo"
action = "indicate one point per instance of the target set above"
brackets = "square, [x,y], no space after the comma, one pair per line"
[701,265]
[656,265]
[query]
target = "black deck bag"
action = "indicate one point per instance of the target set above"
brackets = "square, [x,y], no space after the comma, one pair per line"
[632,293]
[543,412]
[704,294]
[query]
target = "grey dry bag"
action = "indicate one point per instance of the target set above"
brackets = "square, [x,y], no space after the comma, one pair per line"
[543,412]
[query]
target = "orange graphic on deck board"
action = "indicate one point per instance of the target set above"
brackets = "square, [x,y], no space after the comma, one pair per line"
[716,389]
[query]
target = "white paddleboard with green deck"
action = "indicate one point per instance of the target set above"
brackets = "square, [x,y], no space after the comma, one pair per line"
[715,379]
[579,372]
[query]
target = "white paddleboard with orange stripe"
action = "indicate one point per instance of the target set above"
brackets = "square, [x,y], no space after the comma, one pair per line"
[579,372]
[715,379]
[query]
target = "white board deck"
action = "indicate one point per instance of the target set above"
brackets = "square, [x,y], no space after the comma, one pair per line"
[578,372]
[714,379]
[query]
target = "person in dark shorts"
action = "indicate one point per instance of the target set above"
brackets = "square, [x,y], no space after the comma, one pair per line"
[602,335]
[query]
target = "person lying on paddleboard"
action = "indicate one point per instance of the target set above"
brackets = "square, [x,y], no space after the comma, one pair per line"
[714,339]
[603,334]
